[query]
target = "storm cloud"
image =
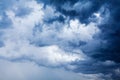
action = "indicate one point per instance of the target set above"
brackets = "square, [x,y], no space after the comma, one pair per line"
[76,38]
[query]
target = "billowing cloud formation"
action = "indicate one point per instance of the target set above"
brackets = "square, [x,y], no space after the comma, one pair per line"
[18,39]
[75,35]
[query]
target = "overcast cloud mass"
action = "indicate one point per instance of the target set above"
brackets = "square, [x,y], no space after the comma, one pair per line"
[59,39]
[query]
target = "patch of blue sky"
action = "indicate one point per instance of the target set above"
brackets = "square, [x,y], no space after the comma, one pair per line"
[5,22]
[21,12]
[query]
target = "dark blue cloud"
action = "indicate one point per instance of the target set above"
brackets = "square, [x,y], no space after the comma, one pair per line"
[83,10]
[108,39]
[110,34]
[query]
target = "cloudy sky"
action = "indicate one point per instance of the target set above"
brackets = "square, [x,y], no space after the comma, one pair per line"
[59,39]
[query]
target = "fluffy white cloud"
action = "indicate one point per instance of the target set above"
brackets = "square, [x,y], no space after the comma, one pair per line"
[48,55]
[78,30]
[17,38]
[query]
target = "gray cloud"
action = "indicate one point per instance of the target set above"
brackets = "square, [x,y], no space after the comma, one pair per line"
[81,36]
[30,71]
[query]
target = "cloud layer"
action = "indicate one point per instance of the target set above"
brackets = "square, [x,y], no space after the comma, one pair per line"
[73,38]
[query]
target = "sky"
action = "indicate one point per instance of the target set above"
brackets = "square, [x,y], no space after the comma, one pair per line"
[59,40]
